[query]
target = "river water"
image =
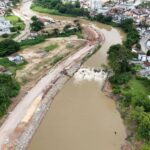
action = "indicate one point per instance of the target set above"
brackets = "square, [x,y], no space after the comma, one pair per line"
[81,117]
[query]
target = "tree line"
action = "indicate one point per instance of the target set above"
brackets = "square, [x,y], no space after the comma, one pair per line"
[64,8]
[9,88]
[134,106]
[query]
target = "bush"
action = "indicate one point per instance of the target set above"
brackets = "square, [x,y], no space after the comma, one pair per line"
[8,47]
[13,29]
[8,88]
[144,127]
[5,35]
[30,42]
[116,89]
[119,79]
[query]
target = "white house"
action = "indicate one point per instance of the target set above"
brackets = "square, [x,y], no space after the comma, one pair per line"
[142,56]
[4,26]
[17,59]
[2,5]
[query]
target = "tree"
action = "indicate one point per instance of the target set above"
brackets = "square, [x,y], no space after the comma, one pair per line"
[138,46]
[148,53]
[8,88]
[8,47]
[118,57]
[66,27]
[77,4]
[126,24]
[36,25]
[144,127]
[56,31]
[34,18]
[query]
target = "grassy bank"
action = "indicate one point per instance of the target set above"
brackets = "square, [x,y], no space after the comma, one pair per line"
[51,47]
[17,23]
[132,91]
[41,9]
[30,42]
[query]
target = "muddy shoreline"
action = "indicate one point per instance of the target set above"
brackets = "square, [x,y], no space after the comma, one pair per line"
[24,131]
[25,138]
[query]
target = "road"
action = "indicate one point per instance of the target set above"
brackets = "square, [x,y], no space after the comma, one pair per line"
[16,116]
[25,13]
[19,112]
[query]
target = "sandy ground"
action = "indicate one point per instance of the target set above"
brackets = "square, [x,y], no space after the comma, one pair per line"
[22,112]
[39,61]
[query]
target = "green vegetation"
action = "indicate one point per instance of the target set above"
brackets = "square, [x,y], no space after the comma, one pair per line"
[8,47]
[132,34]
[51,47]
[17,23]
[14,2]
[146,147]
[36,24]
[118,57]
[67,31]
[148,53]
[56,59]
[41,9]
[8,88]
[103,19]
[30,42]
[132,91]
[11,66]
[138,86]
[57,7]
[145,4]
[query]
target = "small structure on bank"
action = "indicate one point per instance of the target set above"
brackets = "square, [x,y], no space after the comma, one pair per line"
[16,59]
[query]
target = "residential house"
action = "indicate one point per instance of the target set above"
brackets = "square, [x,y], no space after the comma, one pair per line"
[17,59]
[142,56]
[2,8]
[5,26]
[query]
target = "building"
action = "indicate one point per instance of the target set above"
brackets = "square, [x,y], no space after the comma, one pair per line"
[2,8]
[5,26]
[95,5]
[16,59]
[2,5]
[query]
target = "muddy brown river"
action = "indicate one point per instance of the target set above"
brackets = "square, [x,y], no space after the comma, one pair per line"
[81,117]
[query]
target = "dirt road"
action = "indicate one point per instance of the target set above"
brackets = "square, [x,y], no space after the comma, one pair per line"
[37,92]
[25,13]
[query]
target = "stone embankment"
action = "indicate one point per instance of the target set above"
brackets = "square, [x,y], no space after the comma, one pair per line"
[31,110]
[23,141]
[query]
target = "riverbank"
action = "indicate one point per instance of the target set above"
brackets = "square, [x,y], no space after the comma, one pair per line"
[76,119]
[53,77]
[29,125]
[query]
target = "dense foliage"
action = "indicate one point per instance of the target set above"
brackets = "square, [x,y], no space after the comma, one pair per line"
[8,47]
[8,89]
[148,53]
[64,8]
[145,4]
[133,92]
[31,42]
[36,24]
[14,2]
[132,34]
[118,57]
[17,23]
[103,19]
